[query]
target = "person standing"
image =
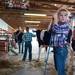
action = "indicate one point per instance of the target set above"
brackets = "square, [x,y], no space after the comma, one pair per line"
[59,36]
[20,41]
[27,38]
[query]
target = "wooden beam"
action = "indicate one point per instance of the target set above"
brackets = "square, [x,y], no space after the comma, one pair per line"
[55,2]
[64,3]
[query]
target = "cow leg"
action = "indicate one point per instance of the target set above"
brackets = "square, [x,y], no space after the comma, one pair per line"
[39,52]
[46,46]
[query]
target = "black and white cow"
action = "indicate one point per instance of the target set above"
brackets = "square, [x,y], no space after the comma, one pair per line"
[43,38]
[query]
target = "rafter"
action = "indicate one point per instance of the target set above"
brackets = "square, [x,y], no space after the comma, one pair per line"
[54,1]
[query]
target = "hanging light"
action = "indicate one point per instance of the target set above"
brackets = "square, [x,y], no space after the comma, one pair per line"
[30,14]
[32,21]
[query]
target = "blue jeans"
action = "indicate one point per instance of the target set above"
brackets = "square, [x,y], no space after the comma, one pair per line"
[28,47]
[60,55]
[20,44]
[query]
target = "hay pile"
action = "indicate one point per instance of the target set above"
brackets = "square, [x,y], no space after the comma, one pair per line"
[7,67]
[38,64]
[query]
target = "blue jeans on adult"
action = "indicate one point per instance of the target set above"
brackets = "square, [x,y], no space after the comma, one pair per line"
[20,44]
[28,47]
[60,55]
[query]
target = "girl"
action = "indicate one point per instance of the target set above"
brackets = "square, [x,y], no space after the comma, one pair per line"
[59,42]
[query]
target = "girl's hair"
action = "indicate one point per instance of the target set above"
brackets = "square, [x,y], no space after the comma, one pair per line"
[59,11]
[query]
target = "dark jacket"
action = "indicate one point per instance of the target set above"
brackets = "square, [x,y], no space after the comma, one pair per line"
[20,37]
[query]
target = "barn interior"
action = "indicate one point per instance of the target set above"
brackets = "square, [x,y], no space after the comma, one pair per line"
[35,14]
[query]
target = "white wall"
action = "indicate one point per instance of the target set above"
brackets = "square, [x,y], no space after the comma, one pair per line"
[4,25]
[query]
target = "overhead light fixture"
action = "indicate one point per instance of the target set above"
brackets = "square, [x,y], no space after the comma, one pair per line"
[55,4]
[29,14]
[32,21]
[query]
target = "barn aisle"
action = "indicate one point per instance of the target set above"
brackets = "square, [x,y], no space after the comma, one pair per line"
[38,68]
[35,68]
